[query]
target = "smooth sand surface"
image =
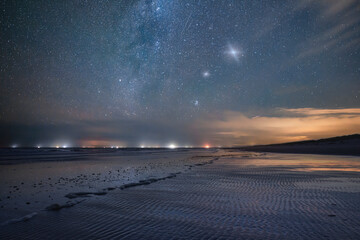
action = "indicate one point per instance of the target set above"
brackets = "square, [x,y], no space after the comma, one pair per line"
[236,195]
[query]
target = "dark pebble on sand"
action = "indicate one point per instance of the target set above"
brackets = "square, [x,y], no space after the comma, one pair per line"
[53,207]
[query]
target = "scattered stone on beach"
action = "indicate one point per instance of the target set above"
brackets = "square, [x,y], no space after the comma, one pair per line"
[57,207]
[53,207]
[83,194]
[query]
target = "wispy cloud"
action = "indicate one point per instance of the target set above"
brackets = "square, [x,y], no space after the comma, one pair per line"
[228,128]
[235,128]
[337,22]
[321,112]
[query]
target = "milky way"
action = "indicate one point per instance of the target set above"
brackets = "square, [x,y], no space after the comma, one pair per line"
[135,72]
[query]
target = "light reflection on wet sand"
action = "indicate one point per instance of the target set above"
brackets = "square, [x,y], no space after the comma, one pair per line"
[304,162]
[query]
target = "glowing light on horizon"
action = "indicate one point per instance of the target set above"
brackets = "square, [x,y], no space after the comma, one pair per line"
[207,146]
[172,146]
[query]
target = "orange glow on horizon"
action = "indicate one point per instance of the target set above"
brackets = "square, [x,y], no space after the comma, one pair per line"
[286,125]
[102,143]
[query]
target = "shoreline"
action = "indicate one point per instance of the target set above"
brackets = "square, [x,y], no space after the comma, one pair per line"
[32,187]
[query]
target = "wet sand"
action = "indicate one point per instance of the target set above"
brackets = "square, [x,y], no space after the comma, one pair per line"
[235,196]
[34,180]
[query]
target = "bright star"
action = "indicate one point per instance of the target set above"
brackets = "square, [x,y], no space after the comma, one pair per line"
[234,53]
[206,74]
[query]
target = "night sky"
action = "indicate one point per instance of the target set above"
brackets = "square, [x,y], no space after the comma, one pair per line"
[189,73]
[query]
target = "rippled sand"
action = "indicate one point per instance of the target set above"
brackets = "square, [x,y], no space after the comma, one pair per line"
[234,196]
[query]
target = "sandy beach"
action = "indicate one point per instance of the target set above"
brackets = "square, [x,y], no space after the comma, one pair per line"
[155,119]
[31,180]
[214,194]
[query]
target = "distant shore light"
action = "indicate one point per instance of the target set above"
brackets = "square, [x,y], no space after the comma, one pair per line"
[172,146]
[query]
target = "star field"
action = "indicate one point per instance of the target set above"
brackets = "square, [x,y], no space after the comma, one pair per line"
[150,64]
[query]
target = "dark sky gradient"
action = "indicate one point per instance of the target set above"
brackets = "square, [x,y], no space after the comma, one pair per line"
[148,72]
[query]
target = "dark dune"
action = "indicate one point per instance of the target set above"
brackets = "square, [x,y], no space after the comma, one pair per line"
[343,145]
